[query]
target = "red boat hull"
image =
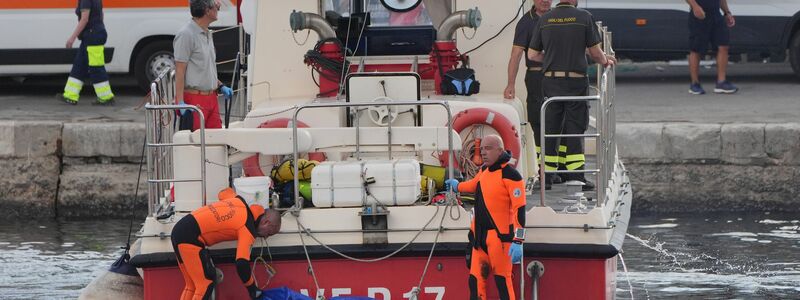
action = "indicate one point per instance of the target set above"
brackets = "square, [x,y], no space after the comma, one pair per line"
[394,278]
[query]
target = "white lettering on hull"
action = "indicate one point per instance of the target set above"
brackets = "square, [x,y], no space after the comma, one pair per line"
[373,292]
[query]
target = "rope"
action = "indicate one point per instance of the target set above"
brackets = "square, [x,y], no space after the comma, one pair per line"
[308,232]
[135,194]
[450,202]
[308,258]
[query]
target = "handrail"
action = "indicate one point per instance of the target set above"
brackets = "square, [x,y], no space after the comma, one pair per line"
[605,125]
[159,131]
[445,104]
[172,107]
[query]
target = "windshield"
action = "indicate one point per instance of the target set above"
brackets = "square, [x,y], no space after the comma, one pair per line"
[422,15]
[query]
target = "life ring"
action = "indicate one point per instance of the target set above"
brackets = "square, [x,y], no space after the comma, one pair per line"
[252,165]
[501,124]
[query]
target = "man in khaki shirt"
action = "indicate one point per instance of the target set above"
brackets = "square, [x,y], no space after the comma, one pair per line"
[195,62]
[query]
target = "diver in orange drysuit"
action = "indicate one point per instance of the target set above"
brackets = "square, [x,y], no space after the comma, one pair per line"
[497,229]
[228,219]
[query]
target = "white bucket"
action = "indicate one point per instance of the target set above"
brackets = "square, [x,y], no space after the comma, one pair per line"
[254,190]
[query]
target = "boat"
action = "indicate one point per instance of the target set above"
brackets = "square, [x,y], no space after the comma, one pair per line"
[380,133]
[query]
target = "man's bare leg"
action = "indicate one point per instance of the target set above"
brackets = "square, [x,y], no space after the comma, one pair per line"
[694,66]
[722,63]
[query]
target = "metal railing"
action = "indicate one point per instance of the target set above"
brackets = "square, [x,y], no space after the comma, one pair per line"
[295,154]
[160,128]
[605,125]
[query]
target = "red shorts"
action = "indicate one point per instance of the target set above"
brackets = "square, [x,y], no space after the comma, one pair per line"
[209,104]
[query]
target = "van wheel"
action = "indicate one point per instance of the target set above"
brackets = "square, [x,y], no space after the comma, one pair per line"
[151,60]
[794,53]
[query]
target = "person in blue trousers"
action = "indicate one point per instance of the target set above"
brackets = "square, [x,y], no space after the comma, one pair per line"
[89,63]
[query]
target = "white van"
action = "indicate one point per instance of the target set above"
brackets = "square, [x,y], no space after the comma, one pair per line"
[140,34]
[658,29]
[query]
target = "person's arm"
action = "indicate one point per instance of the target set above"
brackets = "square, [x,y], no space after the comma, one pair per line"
[515,187]
[600,57]
[180,80]
[79,28]
[729,19]
[535,55]
[469,186]
[513,69]
[182,47]
[243,244]
[696,9]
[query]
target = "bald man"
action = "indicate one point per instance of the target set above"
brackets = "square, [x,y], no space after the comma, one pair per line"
[498,225]
[229,219]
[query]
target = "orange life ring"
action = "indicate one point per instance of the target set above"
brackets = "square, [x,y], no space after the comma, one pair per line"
[497,121]
[252,165]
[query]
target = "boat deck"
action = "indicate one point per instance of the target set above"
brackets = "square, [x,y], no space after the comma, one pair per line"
[558,197]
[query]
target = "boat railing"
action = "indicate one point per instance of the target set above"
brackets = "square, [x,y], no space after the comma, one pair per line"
[295,155]
[159,128]
[605,126]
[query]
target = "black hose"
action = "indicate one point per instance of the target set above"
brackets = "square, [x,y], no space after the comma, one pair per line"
[501,29]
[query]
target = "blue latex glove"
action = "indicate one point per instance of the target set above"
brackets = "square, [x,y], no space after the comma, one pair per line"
[182,111]
[228,92]
[451,185]
[515,252]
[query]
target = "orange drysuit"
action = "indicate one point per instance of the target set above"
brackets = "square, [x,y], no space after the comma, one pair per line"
[226,220]
[499,211]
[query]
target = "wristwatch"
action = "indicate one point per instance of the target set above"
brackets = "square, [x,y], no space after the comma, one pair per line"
[519,235]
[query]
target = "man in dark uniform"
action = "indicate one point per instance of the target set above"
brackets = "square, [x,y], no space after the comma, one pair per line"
[90,61]
[533,74]
[561,40]
[708,26]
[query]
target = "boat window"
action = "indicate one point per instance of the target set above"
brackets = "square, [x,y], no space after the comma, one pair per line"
[427,13]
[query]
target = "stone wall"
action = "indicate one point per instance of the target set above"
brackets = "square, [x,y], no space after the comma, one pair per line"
[69,170]
[689,167]
[89,169]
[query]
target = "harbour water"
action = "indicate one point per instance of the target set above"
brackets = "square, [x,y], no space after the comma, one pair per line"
[668,256]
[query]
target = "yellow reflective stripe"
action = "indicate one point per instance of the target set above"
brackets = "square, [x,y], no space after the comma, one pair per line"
[72,90]
[103,90]
[562,148]
[71,96]
[96,55]
[551,159]
[550,168]
[575,165]
[576,157]
[538,149]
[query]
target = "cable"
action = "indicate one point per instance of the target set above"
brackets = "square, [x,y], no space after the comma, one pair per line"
[308,232]
[501,29]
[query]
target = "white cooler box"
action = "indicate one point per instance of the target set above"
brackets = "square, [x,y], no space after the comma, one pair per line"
[397,182]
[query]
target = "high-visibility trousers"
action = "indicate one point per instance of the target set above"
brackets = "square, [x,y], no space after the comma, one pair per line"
[89,65]
[565,118]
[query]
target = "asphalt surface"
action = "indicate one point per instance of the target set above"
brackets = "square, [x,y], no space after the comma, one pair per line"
[646,92]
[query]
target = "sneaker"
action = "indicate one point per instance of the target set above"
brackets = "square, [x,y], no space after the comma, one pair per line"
[725,87]
[697,89]
[109,102]
[60,97]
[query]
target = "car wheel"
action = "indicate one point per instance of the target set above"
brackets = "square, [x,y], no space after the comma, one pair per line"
[794,53]
[151,61]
